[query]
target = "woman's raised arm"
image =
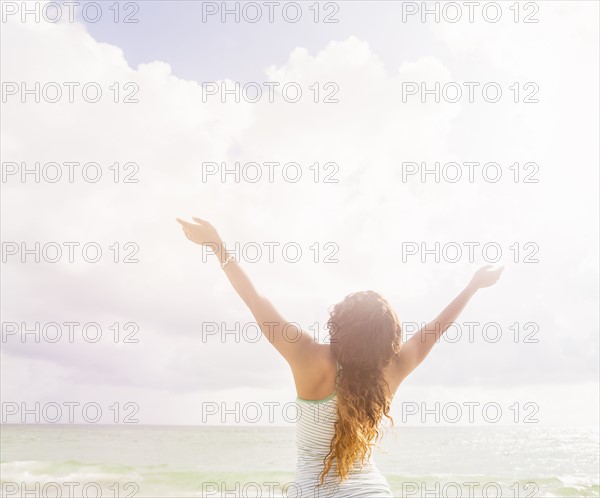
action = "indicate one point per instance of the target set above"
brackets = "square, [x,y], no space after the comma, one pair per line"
[288,338]
[414,351]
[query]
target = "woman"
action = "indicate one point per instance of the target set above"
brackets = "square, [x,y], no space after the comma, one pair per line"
[344,388]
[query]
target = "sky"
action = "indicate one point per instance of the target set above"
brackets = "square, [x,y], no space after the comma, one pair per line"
[362,223]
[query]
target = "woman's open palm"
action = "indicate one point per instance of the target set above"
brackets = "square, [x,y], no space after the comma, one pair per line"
[201,232]
[486,276]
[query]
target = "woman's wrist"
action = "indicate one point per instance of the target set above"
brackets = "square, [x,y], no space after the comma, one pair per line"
[220,251]
[220,247]
[472,287]
[224,257]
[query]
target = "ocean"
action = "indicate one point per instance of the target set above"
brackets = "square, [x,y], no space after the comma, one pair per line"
[191,461]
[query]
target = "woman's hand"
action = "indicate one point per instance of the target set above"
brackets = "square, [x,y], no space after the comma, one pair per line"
[485,277]
[201,232]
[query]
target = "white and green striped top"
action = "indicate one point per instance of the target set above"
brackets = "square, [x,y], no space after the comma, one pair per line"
[314,432]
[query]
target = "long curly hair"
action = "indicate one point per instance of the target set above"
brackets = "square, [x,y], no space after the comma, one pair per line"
[365,334]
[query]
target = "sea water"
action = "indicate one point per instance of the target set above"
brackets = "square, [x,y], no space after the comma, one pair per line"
[185,461]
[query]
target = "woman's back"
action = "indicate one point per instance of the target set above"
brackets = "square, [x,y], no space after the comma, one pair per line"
[315,428]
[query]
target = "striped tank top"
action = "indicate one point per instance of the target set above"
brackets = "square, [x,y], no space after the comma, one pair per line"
[314,432]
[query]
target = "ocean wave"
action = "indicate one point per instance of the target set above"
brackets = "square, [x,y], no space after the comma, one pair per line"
[163,481]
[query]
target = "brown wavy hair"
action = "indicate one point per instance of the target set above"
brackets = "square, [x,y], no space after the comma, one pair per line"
[365,335]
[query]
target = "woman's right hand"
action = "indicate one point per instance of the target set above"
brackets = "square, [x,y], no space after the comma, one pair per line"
[201,232]
[486,277]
